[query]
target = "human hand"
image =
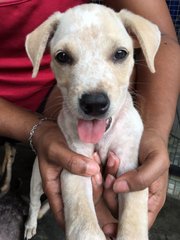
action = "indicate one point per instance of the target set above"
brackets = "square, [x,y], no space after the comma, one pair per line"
[106,213]
[152,173]
[54,155]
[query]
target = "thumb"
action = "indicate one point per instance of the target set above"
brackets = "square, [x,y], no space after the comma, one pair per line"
[79,164]
[130,181]
[143,176]
[74,162]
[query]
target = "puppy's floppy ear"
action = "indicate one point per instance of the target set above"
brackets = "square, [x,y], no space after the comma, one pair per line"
[37,40]
[147,34]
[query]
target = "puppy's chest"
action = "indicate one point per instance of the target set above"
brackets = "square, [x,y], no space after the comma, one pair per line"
[122,137]
[111,141]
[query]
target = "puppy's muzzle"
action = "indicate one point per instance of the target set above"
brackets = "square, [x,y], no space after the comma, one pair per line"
[94,104]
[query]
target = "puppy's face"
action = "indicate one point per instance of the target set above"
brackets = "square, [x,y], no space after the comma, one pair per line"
[92,58]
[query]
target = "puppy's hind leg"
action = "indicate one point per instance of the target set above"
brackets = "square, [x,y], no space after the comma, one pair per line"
[35,203]
[44,209]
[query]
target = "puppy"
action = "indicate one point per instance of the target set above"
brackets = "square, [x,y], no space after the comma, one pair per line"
[92,59]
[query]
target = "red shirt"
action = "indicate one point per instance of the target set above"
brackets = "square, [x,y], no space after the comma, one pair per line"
[17,19]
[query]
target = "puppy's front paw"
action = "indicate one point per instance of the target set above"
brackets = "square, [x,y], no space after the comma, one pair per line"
[132,237]
[30,231]
[85,233]
[88,236]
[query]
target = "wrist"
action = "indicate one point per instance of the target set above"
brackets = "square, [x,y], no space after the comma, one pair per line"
[156,131]
[38,130]
[156,119]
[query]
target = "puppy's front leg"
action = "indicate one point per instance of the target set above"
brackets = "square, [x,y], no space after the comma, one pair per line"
[80,216]
[133,206]
[133,224]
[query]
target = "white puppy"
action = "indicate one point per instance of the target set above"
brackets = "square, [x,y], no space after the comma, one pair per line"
[92,59]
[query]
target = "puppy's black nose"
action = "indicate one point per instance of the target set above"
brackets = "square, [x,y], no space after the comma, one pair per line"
[94,104]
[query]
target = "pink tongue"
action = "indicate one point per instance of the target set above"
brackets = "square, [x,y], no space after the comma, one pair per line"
[91,131]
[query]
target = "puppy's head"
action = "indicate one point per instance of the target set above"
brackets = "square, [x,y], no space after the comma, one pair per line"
[92,58]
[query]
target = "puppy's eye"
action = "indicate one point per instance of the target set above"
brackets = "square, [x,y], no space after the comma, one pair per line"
[63,58]
[120,55]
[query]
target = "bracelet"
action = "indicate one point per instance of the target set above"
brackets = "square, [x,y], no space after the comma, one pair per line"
[31,134]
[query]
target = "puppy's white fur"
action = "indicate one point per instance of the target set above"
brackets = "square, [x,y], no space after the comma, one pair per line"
[91,34]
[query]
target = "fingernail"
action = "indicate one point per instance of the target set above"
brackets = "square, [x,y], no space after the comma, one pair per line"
[111,161]
[92,168]
[98,179]
[109,181]
[121,186]
[110,230]
[113,155]
[96,157]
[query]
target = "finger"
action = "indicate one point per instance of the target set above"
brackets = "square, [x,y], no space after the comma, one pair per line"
[52,188]
[73,162]
[151,219]
[97,180]
[143,176]
[97,187]
[155,203]
[52,191]
[106,220]
[96,158]
[112,164]
[109,195]
[154,207]
[110,230]
[110,238]
[157,197]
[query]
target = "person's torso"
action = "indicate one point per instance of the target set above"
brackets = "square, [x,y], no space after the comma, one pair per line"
[17,19]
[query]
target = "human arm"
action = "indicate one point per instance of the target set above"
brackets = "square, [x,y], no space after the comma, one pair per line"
[156,98]
[53,153]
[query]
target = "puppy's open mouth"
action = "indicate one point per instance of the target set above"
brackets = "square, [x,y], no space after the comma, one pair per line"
[91,131]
